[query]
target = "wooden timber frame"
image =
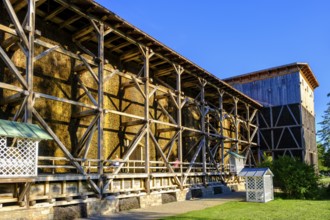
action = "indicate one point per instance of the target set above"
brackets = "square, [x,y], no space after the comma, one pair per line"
[101,47]
[288,130]
[287,119]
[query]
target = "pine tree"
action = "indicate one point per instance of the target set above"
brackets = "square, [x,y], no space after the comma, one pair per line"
[324,133]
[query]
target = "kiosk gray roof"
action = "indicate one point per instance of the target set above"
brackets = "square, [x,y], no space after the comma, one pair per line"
[255,172]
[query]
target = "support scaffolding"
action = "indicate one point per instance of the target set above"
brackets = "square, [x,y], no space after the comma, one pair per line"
[109,89]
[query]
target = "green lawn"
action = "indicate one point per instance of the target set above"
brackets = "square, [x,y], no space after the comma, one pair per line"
[277,209]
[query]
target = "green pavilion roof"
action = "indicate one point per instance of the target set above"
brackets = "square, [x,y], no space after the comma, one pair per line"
[22,130]
[236,155]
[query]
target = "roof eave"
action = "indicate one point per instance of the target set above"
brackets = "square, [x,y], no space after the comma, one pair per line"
[304,68]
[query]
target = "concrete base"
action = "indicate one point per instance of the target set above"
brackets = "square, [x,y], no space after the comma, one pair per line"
[237,187]
[106,206]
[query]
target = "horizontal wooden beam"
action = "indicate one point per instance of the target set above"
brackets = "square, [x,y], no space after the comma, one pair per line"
[118,47]
[163,130]
[130,54]
[54,13]
[82,32]
[86,113]
[70,20]
[133,123]
[41,95]
[11,87]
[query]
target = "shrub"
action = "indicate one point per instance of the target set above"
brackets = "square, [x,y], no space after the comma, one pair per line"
[295,178]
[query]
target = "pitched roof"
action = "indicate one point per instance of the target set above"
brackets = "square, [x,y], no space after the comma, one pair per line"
[76,16]
[22,130]
[255,172]
[304,68]
[236,155]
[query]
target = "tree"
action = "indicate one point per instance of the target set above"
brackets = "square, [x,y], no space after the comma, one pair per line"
[326,159]
[320,155]
[324,133]
[295,178]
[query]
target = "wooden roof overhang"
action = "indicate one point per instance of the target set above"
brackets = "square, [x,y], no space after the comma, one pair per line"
[304,69]
[74,16]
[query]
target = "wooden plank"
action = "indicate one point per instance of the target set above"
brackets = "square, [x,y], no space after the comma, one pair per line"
[131,149]
[9,42]
[17,24]
[58,141]
[100,95]
[13,68]
[17,180]
[54,13]
[41,95]
[133,123]
[82,32]
[163,130]
[130,54]
[62,177]
[20,5]
[70,20]
[137,85]
[84,49]
[200,146]
[20,109]
[168,165]
[91,71]
[83,139]
[46,52]
[13,99]
[87,91]
[165,112]
[86,113]
[119,46]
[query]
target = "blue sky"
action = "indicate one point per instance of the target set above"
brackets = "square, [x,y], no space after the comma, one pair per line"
[229,38]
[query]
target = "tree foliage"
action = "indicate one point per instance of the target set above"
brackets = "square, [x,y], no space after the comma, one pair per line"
[295,178]
[323,157]
[324,135]
[324,132]
[326,159]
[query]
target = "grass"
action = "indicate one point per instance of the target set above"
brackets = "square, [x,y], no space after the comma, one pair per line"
[277,209]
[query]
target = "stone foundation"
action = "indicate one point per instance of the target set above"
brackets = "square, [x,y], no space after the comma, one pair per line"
[45,213]
[238,187]
[106,206]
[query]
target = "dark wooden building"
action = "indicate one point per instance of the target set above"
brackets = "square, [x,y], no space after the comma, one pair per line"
[287,120]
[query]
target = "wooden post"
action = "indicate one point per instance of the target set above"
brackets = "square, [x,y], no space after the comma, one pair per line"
[30,59]
[303,144]
[100,122]
[221,120]
[272,130]
[203,128]
[248,148]
[258,138]
[236,122]
[147,55]
[179,70]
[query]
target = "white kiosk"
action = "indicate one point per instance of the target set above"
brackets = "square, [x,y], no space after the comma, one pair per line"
[19,148]
[258,184]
